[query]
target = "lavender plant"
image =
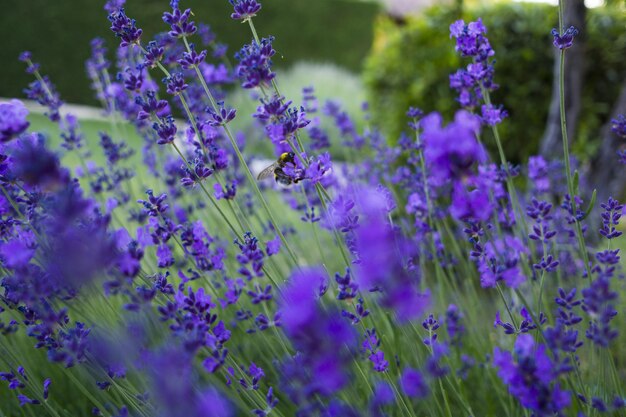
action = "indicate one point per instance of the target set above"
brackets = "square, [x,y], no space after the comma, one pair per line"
[161,279]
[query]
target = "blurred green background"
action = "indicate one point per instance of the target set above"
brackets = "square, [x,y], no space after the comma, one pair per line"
[58,33]
[410,66]
[365,53]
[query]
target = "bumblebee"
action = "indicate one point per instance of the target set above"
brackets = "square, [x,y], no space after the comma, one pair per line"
[277,169]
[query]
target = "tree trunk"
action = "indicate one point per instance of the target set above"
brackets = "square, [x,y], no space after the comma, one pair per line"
[552,143]
[606,174]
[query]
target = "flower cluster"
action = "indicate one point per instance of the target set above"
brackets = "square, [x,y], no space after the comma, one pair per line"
[529,374]
[174,282]
[255,63]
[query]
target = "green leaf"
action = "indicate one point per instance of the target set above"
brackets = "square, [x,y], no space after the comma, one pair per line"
[592,203]
[576,182]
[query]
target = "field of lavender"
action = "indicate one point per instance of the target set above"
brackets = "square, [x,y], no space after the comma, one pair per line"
[148,270]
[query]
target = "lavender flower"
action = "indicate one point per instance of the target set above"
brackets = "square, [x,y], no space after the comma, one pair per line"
[154,54]
[270,401]
[166,130]
[431,325]
[250,255]
[42,90]
[451,151]
[114,5]
[453,323]
[309,328]
[413,384]
[125,28]
[34,164]
[150,105]
[500,261]
[46,388]
[530,376]
[25,400]
[598,302]
[244,9]
[539,174]
[470,39]
[566,39]
[255,63]
[347,287]
[380,250]
[175,83]
[180,25]
[192,59]
[72,138]
[12,120]
[492,115]
[618,126]
[273,246]
[610,218]
[222,116]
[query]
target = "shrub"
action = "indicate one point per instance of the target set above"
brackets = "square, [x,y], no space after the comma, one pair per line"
[410,65]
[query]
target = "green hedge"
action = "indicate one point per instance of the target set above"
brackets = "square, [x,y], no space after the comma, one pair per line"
[410,65]
[58,34]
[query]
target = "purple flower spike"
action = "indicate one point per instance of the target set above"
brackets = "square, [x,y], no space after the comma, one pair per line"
[380,249]
[379,361]
[114,5]
[566,40]
[493,115]
[151,105]
[166,130]
[179,22]
[25,400]
[470,39]
[273,246]
[175,83]
[46,388]
[244,9]
[12,120]
[413,383]
[154,54]
[221,116]
[618,126]
[532,377]
[610,218]
[125,28]
[192,59]
[255,63]
[321,335]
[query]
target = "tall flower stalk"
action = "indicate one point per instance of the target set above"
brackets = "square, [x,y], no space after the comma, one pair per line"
[564,40]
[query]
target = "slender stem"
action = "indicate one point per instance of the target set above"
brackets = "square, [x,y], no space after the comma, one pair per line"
[506,305]
[256,189]
[568,171]
[509,180]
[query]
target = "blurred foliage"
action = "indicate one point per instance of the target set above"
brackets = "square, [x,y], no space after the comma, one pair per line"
[58,33]
[410,65]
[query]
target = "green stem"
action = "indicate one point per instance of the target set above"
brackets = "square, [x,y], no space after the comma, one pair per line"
[568,171]
[506,305]
[509,180]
